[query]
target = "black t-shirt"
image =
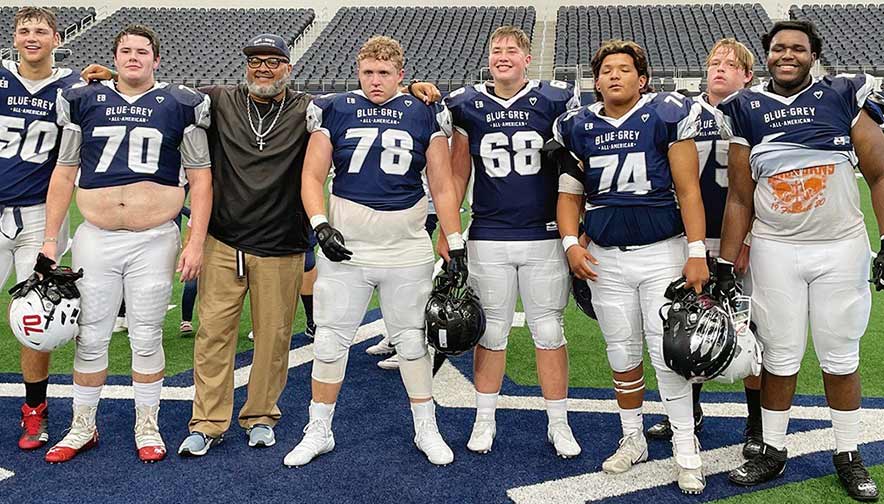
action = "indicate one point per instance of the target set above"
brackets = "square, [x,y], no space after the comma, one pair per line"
[257,205]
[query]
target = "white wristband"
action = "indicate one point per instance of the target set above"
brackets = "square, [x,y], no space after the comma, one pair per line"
[569,241]
[697,249]
[747,241]
[317,220]
[455,241]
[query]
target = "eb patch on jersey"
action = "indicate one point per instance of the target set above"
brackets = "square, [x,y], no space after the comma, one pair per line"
[126,139]
[29,134]
[627,178]
[514,196]
[379,150]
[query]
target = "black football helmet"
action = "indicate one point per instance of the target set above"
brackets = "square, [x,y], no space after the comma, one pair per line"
[704,340]
[582,296]
[455,320]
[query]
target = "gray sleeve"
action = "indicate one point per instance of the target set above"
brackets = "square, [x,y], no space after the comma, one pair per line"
[195,149]
[69,148]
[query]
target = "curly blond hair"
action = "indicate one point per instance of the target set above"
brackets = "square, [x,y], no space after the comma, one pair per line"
[382,48]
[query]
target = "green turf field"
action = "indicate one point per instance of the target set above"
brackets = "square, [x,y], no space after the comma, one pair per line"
[588,365]
[586,346]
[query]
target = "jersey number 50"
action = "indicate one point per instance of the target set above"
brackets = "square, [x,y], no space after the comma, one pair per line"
[33,150]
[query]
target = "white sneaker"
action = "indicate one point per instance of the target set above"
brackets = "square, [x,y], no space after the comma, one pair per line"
[482,436]
[632,450]
[390,363]
[428,440]
[381,348]
[148,441]
[318,439]
[690,469]
[120,324]
[251,336]
[560,435]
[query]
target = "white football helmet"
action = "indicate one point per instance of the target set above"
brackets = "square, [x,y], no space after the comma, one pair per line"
[41,325]
[45,309]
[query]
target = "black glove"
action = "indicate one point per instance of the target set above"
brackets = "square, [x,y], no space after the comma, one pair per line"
[878,269]
[725,289]
[332,243]
[457,267]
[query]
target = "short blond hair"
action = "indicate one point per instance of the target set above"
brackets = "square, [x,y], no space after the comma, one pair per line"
[745,58]
[382,48]
[515,33]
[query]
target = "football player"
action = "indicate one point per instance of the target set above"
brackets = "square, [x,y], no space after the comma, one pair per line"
[29,140]
[728,69]
[129,147]
[379,141]
[639,174]
[810,251]
[514,250]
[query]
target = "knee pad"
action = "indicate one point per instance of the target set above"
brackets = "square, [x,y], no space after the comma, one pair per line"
[330,372]
[410,344]
[548,333]
[90,359]
[417,376]
[781,363]
[329,346]
[148,356]
[840,364]
[495,337]
[624,355]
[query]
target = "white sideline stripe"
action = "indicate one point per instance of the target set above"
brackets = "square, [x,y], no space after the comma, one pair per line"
[451,389]
[297,357]
[598,485]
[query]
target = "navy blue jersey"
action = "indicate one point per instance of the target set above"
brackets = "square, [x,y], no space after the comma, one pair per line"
[29,135]
[630,199]
[809,128]
[515,188]
[131,139]
[379,150]
[712,151]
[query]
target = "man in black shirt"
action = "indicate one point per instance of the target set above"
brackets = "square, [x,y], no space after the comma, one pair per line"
[256,244]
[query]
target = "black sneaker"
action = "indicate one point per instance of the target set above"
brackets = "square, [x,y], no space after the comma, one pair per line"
[854,476]
[754,442]
[663,429]
[767,465]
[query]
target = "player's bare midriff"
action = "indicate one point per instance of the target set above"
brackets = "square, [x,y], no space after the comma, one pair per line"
[134,207]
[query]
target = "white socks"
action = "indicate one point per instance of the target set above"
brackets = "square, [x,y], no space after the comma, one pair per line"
[323,411]
[486,405]
[774,425]
[86,396]
[423,410]
[631,421]
[147,394]
[845,424]
[556,411]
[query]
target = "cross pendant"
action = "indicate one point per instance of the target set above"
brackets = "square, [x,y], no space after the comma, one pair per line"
[260,143]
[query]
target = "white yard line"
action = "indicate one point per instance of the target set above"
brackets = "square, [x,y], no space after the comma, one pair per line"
[297,357]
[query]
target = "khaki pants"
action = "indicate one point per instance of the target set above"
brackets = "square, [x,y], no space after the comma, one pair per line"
[273,284]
